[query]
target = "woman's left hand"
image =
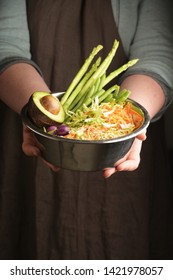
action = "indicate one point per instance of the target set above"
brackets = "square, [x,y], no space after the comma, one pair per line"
[130,161]
[31,147]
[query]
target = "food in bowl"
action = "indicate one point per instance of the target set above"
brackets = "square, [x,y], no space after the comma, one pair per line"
[45,109]
[88,110]
[83,155]
[100,122]
[92,124]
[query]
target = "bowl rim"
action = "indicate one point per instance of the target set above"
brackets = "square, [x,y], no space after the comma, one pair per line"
[39,131]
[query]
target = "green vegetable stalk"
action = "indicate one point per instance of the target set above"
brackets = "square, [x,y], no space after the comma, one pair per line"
[89,84]
[81,72]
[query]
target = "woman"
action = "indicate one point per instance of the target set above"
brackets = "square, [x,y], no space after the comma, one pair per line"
[79,215]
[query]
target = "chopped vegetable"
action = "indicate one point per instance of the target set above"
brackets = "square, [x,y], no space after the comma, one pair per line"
[52,129]
[59,130]
[104,121]
[62,130]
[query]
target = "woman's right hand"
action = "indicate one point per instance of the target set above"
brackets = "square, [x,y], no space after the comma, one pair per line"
[31,147]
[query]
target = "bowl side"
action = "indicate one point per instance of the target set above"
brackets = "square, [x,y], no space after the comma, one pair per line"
[83,156]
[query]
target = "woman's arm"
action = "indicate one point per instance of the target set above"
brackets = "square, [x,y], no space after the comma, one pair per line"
[148,93]
[17,83]
[150,39]
[18,76]
[150,80]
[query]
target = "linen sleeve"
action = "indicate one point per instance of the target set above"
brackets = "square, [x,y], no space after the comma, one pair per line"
[14,34]
[153,45]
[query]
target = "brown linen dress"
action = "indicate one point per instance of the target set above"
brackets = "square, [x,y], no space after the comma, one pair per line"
[79,215]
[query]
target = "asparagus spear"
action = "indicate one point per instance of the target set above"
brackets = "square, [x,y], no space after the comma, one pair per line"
[109,98]
[97,83]
[89,94]
[87,85]
[102,78]
[74,96]
[80,73]
[118,71]
[87,100]
[122,96]
[101,69]
[98,93]
[103,96]
[82,100]
[116,91]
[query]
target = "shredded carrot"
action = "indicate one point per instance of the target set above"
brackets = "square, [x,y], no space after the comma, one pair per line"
[104,121]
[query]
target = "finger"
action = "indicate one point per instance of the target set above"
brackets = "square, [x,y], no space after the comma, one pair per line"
[128,165]
[142,136]
[30,146]
[107,172]
[133,159]
[51,166]
[30,150]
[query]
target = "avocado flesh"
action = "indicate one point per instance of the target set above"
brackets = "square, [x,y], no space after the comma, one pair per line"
[39,115]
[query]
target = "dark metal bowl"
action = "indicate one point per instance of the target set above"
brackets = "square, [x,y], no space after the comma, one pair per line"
[83,155]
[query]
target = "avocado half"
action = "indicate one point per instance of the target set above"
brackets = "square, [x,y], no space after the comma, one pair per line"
[44,109]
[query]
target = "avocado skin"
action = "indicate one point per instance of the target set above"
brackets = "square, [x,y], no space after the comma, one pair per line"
[39,118]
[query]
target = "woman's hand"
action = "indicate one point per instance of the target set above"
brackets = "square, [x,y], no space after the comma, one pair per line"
[31,146]
[130,161]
